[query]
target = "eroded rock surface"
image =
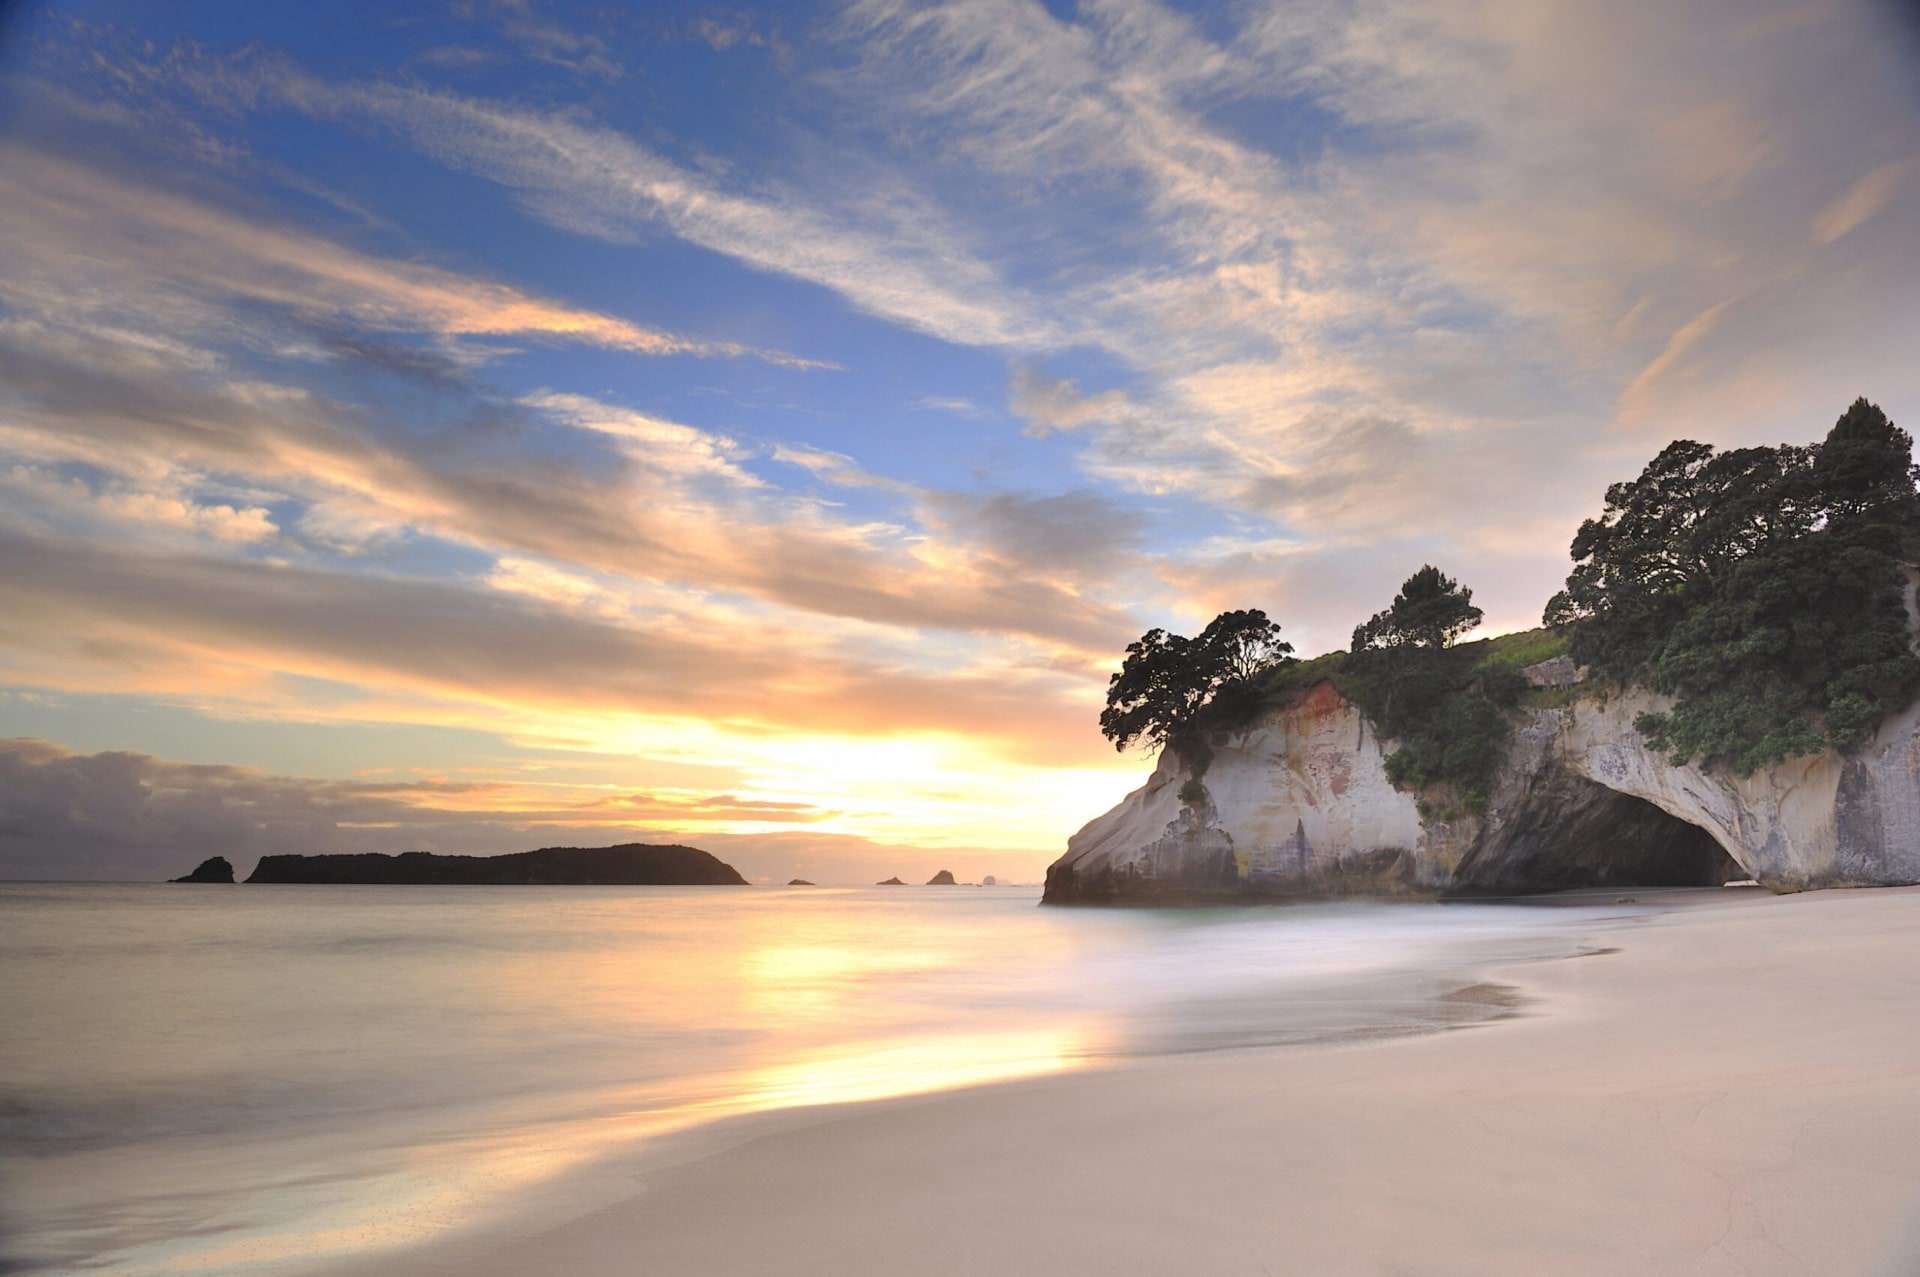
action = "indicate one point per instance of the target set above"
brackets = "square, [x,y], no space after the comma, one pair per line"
[1299,805]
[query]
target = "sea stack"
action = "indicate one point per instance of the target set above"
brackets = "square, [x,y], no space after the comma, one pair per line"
[942,879]
[890,882]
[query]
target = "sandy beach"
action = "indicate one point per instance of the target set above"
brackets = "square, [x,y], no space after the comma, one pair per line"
[1728,1086]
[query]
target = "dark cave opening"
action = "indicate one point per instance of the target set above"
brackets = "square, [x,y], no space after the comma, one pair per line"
[1586,835]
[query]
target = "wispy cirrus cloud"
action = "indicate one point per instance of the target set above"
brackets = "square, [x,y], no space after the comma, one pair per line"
[890,252]
[104,247]
[662,502]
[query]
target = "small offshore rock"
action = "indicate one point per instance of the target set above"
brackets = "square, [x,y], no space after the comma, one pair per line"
[890,882]
[798,882]
[942,879]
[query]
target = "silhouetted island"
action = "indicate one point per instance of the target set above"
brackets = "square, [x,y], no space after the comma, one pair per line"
[212,869]
[942,879]
[890,882]
[798,882]
[627,865]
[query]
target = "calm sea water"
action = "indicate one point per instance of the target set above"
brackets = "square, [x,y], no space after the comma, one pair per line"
[270,1079]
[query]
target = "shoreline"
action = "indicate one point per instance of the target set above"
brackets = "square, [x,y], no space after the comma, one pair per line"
[1723,1085]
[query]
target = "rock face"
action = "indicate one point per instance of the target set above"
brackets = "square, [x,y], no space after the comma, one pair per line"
[212,869]
[942,879]
[1298,805]
[629,864]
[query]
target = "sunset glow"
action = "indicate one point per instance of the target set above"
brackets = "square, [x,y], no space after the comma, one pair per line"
[476,427]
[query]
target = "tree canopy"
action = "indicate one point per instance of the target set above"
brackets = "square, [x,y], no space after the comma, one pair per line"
[1168,682]
[1760,587]
[1431,611]
[1764,589]
[1447,713]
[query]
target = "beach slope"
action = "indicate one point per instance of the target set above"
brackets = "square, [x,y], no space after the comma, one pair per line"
[1736,1089]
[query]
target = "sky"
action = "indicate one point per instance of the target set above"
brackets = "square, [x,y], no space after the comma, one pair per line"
[483,425]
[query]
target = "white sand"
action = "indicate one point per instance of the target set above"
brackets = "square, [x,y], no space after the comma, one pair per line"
[1736,1091]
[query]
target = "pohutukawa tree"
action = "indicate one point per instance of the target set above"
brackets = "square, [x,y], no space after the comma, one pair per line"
[1447,715]
[1431,611]
[1170,686]
[1762,588]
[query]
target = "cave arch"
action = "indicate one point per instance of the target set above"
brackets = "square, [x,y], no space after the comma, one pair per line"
[1576,832]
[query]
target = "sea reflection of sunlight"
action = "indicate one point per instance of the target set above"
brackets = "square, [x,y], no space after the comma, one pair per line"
[915,1067]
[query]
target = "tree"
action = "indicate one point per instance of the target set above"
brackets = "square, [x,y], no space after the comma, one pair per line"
[1760,587]
[1168,682]
[1431,611]
[1245,644]
[1447,713]
[1864,472]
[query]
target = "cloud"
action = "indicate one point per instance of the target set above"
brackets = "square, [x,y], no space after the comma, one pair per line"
[1864,199]
[955,404]
[1051,404]
[101,619]
[1383,283]
[667,503]
[721,35]
[173,506]
[674,449]
[1079,535]
[1456,219]
[102,248]
[1456,211]
[891,253]
[123,814]
[129,816]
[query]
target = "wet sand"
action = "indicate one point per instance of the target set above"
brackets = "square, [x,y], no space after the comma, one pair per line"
[1729,1086]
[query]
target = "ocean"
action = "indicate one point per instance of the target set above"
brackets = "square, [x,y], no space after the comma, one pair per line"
[290,1079]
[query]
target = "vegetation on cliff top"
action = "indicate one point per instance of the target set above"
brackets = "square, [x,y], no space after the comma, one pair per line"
[1761,588]
[1173,690]
[1448,709]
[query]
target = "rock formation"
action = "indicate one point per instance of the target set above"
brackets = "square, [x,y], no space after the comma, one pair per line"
[942,879]
[798,882]
[890,882]
[1298,804]
[629,864]
[212,869]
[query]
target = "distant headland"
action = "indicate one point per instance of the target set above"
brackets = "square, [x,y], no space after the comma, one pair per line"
[629,864]
[212,869]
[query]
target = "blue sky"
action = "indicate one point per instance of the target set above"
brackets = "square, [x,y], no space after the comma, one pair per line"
[470,426]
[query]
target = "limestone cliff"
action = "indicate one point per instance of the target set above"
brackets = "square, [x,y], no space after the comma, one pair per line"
[1298,804]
